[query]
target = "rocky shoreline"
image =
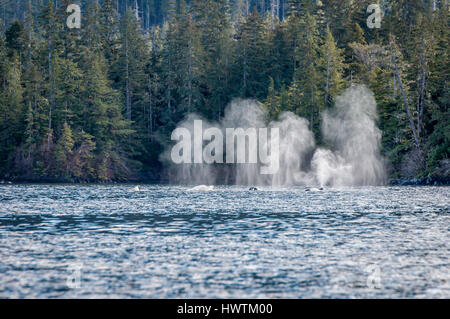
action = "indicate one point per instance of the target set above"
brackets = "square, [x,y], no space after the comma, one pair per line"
[425,181]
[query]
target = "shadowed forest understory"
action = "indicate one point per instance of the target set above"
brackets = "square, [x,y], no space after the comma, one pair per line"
[99,103]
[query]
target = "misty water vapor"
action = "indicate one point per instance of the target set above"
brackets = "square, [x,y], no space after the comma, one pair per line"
[351,128]
[352,158]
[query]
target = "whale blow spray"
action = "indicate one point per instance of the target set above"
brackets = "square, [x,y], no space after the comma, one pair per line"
[288,145]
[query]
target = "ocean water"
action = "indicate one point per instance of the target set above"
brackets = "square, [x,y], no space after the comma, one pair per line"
[111,241]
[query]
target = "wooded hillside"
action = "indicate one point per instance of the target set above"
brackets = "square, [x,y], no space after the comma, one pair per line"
[100,102]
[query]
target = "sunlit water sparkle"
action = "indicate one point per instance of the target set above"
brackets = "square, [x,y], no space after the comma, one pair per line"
[170,242]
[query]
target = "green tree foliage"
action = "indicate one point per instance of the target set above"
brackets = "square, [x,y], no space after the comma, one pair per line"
[100,103]
[332,64]
[213,23]
[252,49]
[11,108]
[306,87]
[181,66]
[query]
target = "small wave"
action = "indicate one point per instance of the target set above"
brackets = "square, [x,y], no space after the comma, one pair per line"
[202,188]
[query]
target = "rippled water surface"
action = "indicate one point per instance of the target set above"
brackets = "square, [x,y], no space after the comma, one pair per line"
[60,241]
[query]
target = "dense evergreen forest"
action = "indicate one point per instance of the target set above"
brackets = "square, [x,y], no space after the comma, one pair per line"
[100,102]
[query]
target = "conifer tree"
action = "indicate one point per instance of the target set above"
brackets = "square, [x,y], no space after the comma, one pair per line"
[129,72]
[279,62]
[94,103]
[332,63]
[213,23]
[305,92]
[11,108]
[253,47]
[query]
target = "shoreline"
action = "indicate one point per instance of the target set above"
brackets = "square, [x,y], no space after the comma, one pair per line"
[392,182]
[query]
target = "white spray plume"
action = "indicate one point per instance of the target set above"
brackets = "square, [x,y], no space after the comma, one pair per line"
[245,114]
[350,128]
[296,143]
[191,174]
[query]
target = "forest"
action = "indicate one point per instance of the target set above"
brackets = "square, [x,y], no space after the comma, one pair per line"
[99,103]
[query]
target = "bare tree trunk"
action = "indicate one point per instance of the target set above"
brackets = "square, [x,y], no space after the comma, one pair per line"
[190,77]
[150,110]
[136,10]
[422,88]
[312,104]
[405,99]
[128,100]
[52,98]
[148,15]
[169,89]
[30,28]
[245,70]
[327,89]
[394,87]
[278,9]
[295,60]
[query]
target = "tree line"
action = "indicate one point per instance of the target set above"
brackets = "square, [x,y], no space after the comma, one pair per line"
[99,103]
